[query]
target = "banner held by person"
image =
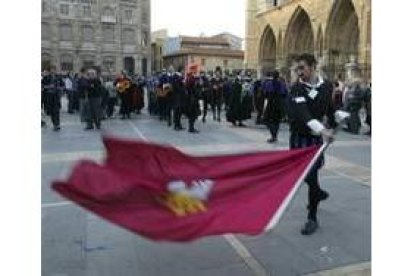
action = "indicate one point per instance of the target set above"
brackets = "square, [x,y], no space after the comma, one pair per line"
[161,193]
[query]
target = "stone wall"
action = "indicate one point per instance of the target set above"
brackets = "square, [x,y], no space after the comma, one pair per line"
[99,32]
[334,31]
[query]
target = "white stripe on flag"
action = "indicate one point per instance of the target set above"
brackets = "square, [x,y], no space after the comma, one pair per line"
[276,217]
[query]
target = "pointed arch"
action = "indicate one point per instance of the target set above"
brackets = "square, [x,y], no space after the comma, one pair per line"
[299,36]
[267,49]
[342,34]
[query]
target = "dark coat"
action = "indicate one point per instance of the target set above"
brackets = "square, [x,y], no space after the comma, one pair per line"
[239,105]
[91,100]
[192,106]
[52,87]
[274,108]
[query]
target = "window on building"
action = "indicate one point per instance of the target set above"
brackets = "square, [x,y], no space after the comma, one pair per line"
[65,32]
[66,63]
[108,12]
[64,9]
[144,39]
[87,11]
[128,15]
[109,64]
[108,33]
[88,62]
[128,36]
[87,33]
[45,31]
[275,2]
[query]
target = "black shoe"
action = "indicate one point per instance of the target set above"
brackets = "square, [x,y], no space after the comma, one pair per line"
[309,228]
[98,126]
[233,123]
[204,120]
[88,127]
[241,124]
[272,140]
[43,124]
[56,128]
[193,130]
[218,120]
[123,117]
[323,195]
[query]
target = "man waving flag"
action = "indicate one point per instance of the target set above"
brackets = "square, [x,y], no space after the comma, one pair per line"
[161,193]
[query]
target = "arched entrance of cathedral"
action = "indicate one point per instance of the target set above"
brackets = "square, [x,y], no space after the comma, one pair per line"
[342,37]
[267,51]
[299,37]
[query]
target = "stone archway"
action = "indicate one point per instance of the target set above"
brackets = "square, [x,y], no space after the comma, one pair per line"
[299,36]
[341,36]
[267,50]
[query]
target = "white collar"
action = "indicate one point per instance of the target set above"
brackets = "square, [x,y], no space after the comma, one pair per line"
[313,86]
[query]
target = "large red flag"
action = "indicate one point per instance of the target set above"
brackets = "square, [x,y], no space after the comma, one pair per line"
[163,194]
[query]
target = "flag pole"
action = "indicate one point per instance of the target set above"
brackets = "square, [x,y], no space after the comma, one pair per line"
[276,217]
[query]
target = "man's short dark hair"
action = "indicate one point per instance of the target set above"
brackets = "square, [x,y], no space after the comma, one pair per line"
[83,70]
[308,58]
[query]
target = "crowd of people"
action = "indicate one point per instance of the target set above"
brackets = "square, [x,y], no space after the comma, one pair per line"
[308,104]
[174,94]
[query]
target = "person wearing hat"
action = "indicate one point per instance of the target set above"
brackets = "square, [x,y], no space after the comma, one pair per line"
[239,104]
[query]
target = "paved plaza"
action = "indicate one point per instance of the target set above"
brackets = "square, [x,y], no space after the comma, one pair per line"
[76,242]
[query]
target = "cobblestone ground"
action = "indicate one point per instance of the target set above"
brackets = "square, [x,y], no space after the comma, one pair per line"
[75,242]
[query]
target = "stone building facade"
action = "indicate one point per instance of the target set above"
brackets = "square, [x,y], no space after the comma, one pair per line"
[111,34]
[208,52]
[338,32]
[236,43]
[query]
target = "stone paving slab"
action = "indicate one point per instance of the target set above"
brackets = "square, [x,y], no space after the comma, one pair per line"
[285,250]
[362,269]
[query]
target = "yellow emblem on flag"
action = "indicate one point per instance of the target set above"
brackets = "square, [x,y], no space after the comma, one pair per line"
[182,204]
[183,200]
